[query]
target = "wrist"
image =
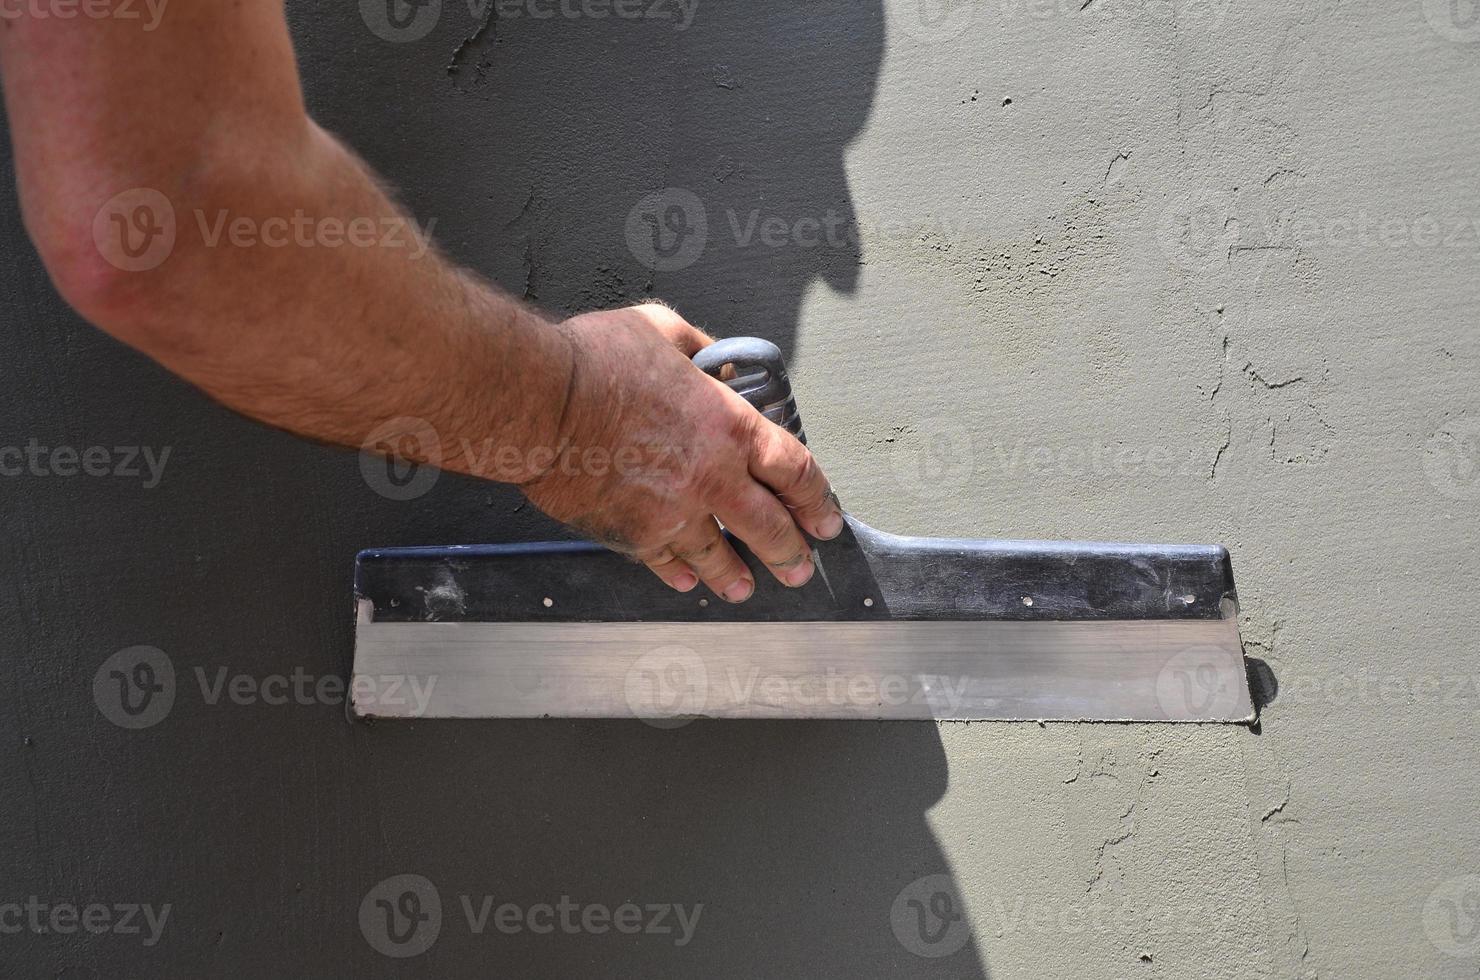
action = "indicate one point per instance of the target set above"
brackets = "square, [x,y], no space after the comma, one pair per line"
[517,432]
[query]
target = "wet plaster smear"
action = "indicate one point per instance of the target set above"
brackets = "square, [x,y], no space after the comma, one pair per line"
[1196,271]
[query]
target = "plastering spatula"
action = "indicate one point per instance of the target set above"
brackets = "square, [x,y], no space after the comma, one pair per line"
[888,627]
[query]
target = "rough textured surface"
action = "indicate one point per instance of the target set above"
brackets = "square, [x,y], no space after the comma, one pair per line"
[1189,270]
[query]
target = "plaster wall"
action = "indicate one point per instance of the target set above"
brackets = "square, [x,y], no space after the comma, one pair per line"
[1188,271]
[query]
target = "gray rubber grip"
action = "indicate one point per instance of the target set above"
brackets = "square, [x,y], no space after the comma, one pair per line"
[760,378]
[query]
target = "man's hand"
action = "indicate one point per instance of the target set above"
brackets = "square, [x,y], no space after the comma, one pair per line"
[678,449]
[334,342]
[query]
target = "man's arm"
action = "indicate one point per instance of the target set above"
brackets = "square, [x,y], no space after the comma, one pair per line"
[601,419]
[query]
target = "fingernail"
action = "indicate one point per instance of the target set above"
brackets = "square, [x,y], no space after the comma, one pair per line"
[685,581]
[830,526]
[801,574]
[738,590]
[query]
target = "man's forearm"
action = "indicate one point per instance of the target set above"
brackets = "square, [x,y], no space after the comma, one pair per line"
[298,294]
[294,290]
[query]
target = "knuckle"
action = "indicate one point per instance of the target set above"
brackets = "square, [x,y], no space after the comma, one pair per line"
[656,530]
[661,316]
[765,525]
[777,531]
[744,428]
[808,483]
[668,570]
[765,447]
[654,307]
[656,555]
[701,552]
[790,562]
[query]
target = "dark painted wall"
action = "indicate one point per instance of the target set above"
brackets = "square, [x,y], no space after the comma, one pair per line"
[264,826]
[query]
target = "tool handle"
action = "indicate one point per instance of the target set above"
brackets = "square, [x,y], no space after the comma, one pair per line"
[760,378]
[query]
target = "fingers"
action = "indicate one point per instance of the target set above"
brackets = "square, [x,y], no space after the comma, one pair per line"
[674,571]
[704,549]
[766,526]
[782,463]
[682,334]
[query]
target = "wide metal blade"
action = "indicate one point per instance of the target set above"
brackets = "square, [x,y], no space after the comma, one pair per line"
[1188,670]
